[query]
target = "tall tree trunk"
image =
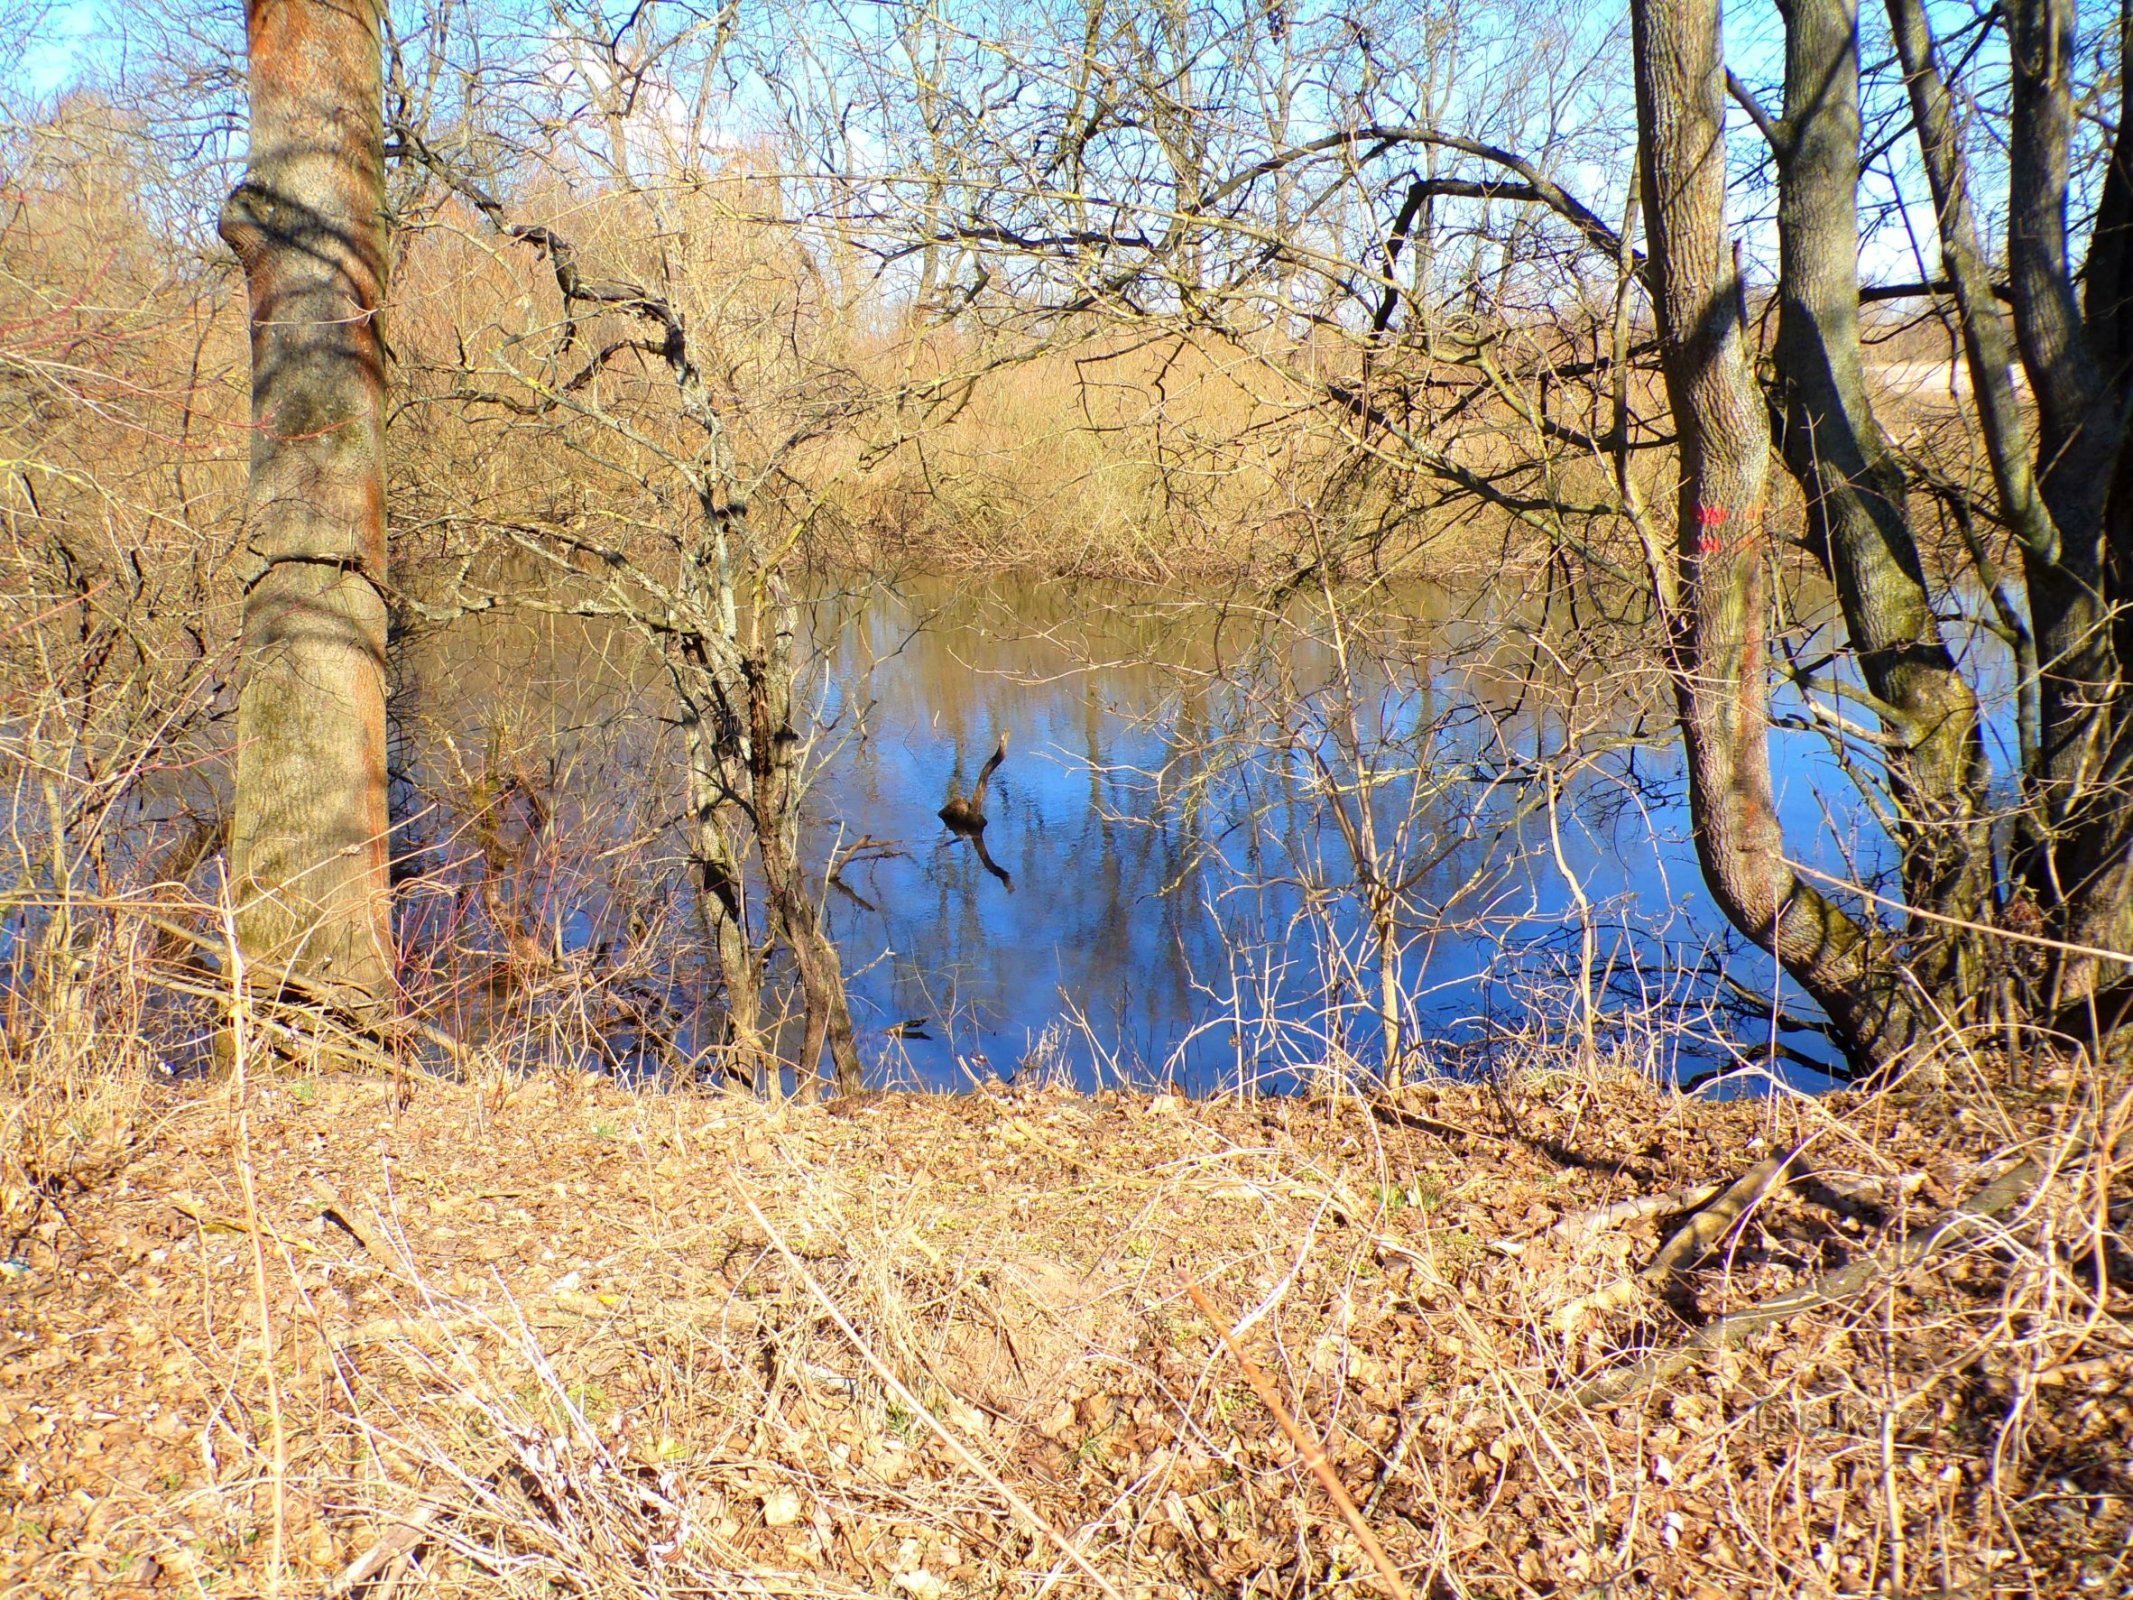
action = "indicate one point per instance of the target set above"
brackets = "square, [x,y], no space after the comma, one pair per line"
[2077,430]
[1986,347]
[1858,521]
[2084,872]
[310,834]
[2105,915]
[1717,630]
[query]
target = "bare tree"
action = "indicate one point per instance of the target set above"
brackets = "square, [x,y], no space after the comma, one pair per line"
[710,587]
[1356,233]
[2063,498]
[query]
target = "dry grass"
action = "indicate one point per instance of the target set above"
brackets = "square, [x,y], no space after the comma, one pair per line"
[538,1337]
[1159,458]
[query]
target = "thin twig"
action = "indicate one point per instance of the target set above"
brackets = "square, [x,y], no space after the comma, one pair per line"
[1395,1458]
[276,1431]
[2038,941]
[339,1210]
[1312,1454]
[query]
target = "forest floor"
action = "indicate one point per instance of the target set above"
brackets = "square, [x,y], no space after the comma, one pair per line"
[337,1336]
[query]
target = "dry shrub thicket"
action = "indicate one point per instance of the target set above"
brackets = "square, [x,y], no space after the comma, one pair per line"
[867,436]
[116,614]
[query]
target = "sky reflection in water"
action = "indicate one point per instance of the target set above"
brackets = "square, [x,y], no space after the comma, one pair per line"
[1172,898]
[1175,898]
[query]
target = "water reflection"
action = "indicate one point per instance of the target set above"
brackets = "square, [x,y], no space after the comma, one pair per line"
[1171,814]
[1230,843]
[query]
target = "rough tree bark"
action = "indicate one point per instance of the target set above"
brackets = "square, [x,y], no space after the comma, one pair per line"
[1857,517]
[2065,498]
[1717,630]
[309,837]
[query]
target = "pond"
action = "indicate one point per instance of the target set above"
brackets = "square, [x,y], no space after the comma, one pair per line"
[1200,795]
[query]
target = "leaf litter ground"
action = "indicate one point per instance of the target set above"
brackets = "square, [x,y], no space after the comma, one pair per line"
[554,1337]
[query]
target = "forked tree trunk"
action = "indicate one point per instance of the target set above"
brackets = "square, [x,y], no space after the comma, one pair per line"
[774,750]
[1718,627]
[309,837]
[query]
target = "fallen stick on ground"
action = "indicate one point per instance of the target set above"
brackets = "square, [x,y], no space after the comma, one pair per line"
[331,1205]
[1635,1209]
[1396,1457]
[1866,1189]
[397,1541]
[307,998]
[2080,1372]
[1701,1233]
[1312,1454]
[1691,1244]
[192,1206]
[342,1048]
[1401,1117]
[1831,1289]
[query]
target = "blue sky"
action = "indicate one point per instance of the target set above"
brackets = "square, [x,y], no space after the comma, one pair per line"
[56,58]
